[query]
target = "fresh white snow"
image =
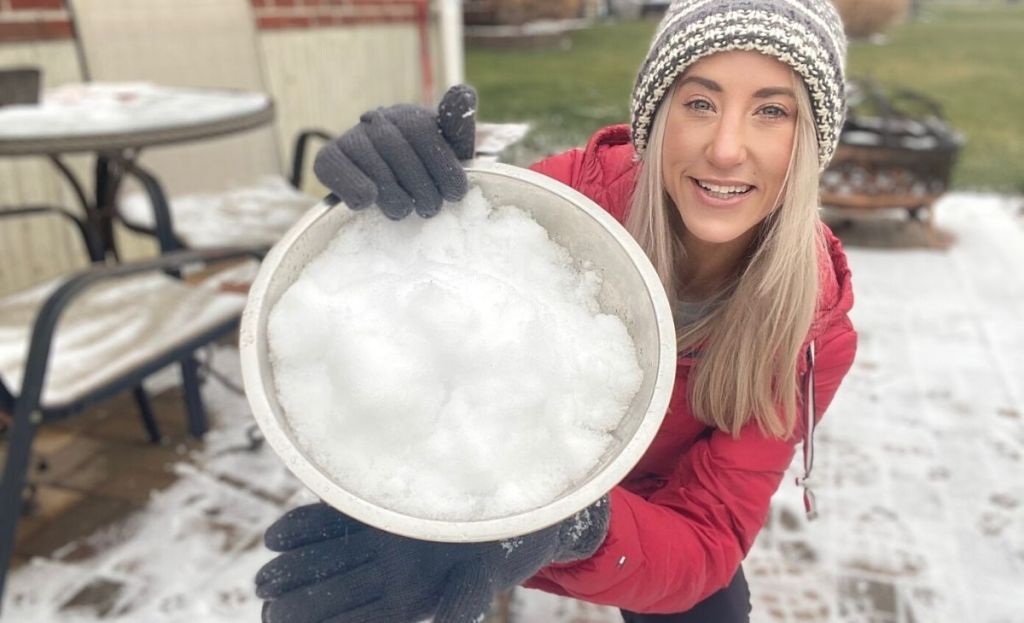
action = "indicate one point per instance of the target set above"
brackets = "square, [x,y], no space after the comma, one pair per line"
[457,367]
[919,472]
[494,138]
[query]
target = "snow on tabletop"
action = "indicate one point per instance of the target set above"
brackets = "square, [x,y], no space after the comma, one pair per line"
[452,368]
[493,138]
[99,108]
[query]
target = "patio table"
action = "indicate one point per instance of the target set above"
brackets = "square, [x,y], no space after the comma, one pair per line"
[115,122]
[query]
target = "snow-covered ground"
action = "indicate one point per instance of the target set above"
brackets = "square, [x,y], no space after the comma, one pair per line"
[919,473]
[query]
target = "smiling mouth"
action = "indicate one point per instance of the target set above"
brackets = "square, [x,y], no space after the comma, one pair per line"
[723,192]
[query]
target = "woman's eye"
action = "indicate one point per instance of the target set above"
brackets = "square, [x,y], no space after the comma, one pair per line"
[699,105]
[774,112]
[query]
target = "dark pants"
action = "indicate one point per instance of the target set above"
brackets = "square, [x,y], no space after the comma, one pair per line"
[729,605]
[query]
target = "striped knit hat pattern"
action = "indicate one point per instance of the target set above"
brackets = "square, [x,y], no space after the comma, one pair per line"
[807,35]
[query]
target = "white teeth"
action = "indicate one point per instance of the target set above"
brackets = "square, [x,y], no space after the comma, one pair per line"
[723,190]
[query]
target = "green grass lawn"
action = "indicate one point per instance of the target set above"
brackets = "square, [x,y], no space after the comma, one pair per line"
[566,94]
[970,59]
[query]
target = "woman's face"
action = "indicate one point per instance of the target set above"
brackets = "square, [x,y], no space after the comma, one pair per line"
[728,141]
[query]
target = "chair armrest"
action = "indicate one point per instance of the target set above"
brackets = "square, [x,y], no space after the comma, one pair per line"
[55,305]
[93,246]
[164,225]
[299,153]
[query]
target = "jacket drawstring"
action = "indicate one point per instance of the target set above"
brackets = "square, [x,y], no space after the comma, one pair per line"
[810,507]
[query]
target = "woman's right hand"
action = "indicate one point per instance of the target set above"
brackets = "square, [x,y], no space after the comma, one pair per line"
[403,157]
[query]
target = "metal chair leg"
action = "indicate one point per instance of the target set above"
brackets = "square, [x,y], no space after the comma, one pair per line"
[146,411]
[197,425]
[23,430]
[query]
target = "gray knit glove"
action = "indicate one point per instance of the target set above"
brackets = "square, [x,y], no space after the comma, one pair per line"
[333,568]
[403,157]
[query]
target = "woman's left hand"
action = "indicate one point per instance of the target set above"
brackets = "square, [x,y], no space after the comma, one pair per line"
[333,568]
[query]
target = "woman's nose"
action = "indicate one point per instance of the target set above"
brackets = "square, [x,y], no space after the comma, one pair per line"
[727,148]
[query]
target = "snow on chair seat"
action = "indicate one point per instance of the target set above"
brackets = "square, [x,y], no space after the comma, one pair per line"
[109,330]
[252,215]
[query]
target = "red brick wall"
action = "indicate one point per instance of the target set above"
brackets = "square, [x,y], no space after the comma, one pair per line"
[34,20]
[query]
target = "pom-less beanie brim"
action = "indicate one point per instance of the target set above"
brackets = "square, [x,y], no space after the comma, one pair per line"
[806,35]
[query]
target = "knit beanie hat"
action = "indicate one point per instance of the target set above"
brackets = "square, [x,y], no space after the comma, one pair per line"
[807,35]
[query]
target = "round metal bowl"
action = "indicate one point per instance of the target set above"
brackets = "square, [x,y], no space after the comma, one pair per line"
[630,289]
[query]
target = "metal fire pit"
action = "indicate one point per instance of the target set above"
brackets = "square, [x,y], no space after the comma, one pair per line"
[895,151]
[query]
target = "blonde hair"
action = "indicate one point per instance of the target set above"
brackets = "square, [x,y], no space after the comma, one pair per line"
[750,343]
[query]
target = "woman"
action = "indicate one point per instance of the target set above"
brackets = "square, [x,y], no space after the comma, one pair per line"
[736,109]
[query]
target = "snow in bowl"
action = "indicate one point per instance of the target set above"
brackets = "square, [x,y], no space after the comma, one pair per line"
[478,375]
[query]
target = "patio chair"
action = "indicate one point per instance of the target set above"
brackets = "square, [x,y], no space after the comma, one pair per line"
[225,191]
[70,343]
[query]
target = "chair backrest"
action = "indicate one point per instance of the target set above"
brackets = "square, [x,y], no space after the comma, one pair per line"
[68,243]
[188,43]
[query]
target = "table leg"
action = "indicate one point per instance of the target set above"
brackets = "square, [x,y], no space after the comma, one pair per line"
[108,179]
[99,211]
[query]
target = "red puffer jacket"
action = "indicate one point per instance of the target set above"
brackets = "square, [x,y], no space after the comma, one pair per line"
[686,516]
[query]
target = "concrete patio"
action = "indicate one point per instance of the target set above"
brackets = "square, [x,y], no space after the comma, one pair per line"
[919,468]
